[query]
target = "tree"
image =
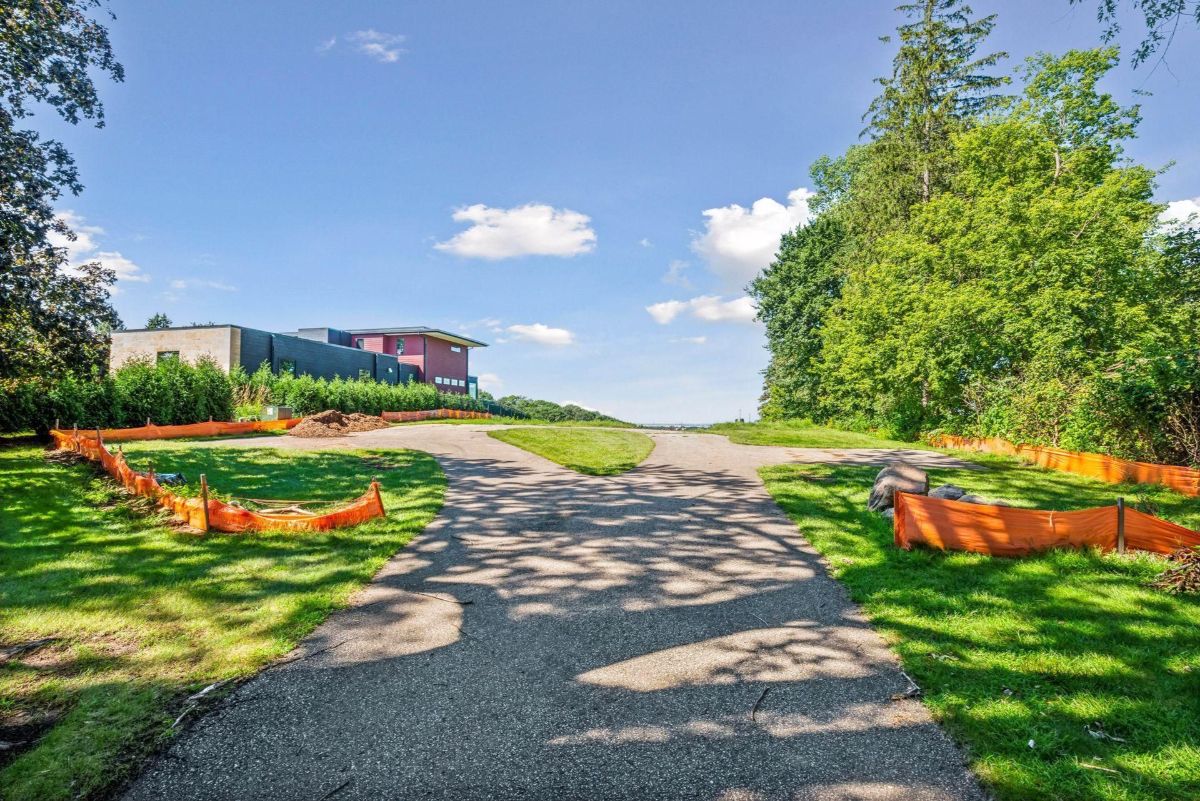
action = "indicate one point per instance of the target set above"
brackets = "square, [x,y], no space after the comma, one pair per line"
[53,316]
[793,296]
[1162,19]
[937,82]
[158,321]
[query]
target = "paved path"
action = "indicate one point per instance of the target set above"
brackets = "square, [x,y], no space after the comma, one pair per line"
[662,634]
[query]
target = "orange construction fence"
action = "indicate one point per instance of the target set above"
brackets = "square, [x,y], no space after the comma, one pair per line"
[150,431]
[434,414]
[1007,531]
[206,513]
[1185,480]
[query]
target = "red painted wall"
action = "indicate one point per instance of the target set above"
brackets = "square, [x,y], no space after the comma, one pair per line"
[442,362]
[432,357]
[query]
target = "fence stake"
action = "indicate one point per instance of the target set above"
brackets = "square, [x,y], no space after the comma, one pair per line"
[75,438]
[147,422]
[1120,525]
[204,498]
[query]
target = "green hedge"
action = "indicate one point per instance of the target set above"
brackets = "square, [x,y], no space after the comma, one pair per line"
[173,392]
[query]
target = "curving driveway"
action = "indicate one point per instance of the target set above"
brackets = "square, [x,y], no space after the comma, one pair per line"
[667,633]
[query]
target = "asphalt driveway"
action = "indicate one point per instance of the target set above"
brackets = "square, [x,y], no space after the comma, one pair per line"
[667,633]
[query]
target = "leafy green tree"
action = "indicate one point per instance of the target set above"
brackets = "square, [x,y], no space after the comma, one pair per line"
[158,321]
[1031,268]
[48,51]
[793,296]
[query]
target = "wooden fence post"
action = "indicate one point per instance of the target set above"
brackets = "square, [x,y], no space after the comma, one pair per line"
[204,499]
[1120,525]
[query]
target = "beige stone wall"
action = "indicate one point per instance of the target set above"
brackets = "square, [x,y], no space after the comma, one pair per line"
[222,343]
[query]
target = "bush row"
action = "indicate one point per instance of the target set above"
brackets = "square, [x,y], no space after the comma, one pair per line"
[173,392]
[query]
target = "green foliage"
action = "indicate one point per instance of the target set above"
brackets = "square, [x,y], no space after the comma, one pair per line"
[1161,19]
[550,411]
[54,317]
[1026,295]
[158,321]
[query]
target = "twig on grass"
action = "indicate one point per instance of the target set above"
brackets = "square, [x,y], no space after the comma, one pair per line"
[13,651]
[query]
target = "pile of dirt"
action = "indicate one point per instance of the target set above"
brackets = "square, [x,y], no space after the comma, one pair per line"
[1184,573]
[332,423]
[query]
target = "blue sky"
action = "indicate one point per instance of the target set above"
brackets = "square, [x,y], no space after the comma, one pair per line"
[535,174]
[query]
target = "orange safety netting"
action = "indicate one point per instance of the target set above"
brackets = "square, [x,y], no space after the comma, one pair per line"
[434,414]
[1006,531]
[209,513]
[1185,480]
[209,429]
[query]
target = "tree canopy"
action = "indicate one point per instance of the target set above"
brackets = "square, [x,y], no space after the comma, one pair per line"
[1032,293]
[54,316]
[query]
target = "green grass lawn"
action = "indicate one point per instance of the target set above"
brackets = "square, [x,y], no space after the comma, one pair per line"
[1040,649]
[146,615]
[597,452]
[803,434]
[519,421]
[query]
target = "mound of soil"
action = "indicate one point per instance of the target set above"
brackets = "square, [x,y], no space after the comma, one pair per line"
[332,423]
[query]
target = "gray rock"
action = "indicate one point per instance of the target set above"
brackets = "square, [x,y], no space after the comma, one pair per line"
[889,514]
[979,499]
[947,492]
[898,476]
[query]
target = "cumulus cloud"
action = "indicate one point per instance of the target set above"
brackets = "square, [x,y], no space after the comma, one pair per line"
[675,274]
[646,243]
[1180,212]
[327,45]
[490,382]
[383,47]
[709,308]
[542,334]
[85,248]
[534,229]
[737,243]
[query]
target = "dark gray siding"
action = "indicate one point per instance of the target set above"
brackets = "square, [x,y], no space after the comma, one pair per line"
[316,358]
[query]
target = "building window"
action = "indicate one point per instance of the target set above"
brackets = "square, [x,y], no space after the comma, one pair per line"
[287,366]
[399,347]
[455,349]
[167,356]
[358,343]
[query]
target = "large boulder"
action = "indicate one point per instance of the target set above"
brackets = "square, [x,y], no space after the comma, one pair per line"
[898,476]
[947,492]
[979,499]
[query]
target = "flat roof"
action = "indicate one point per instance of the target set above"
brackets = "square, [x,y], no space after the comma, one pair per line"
[420,329]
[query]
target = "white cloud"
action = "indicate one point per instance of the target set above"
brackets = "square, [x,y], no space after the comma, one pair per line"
[201,283]
[691,340]
[85,248]
[709,308]
[1181,211]
[490,382]
[383,47]
[738,243]
[543,334]
[675,274]
[580,405]
[531,230]
[327,45]
[646,243]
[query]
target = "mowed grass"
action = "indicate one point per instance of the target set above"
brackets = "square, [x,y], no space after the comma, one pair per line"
[519,421]
[803,434]
[1020,658]
[146,614]
[597,452]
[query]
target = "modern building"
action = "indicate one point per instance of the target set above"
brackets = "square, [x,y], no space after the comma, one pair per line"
[416,353]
